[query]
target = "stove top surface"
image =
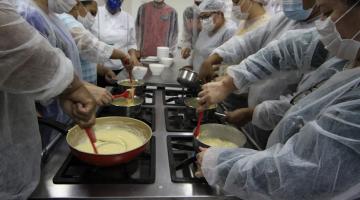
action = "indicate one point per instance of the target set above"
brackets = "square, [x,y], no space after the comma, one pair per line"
[182,160]
[141,170]
[182,119]
[174,96]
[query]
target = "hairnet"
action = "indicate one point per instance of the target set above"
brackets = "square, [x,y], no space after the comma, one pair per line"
[212,6]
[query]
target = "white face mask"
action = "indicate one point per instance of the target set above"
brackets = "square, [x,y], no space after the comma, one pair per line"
[158,1]
[238,13]
[208,24]
[88,21]
[337,46]
[61,6]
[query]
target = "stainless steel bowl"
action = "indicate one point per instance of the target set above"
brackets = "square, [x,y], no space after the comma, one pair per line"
[188,78]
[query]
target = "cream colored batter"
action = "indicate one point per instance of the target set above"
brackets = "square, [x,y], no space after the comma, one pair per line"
[112,141]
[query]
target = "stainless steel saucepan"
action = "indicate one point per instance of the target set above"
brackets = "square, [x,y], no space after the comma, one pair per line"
[218,131]
[188,78]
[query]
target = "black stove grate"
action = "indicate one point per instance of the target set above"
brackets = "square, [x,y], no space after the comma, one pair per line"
[147,114]
[182,160]
[181,119]
[141,170]
[175,97]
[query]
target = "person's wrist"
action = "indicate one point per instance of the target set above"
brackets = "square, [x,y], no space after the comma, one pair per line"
[75,85]
[250,113]
[228,84]
[215,59]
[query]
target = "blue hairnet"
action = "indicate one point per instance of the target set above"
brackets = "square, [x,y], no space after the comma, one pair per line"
[212,6]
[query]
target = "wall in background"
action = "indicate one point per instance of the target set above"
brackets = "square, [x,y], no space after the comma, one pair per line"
[131,6]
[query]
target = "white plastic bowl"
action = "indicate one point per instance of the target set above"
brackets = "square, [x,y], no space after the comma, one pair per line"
[163,52]
[139,72]
[156,69]
[167,61]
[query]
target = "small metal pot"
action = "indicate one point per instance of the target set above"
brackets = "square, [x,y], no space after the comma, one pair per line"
[220,131]
[188,78]
[139,86]
[128,107]
[193,103]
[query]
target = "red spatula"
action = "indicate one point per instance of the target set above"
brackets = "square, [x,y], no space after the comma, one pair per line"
[125,94]
[90,133]
[197,130]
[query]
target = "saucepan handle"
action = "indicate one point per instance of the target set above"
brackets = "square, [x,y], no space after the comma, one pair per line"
[62,128]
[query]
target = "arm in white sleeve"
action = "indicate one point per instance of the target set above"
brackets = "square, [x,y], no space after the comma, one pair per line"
[29,65]
[186,39]
[139,26]
[238,48]
[300,51]
[90,47]
[269,113]
[174,29]
[320,161]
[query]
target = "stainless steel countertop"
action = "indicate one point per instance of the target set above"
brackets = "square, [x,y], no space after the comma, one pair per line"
[167,78]
[163,188]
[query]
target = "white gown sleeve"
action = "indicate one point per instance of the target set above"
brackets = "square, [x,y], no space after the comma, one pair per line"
[90,47]
[29,65]
[320,161]
[295,52]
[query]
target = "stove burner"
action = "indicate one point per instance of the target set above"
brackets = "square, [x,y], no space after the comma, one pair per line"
[139,171]
[149,94]
[179,119]
[176,96]
[147,114]
[182,160]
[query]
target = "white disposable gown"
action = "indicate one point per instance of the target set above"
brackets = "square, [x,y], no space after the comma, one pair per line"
[240,47]
[268,114]
[206,43]
[299,52]
[30,69]
[314,151]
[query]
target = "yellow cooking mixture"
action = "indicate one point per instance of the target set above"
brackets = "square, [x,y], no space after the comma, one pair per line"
[112,141]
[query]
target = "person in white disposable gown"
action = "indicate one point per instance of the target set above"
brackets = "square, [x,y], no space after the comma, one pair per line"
[250,13]
[215,30]
[47,22]
[30,69]
[313,152]
[116,27]
[191,29]
[91,49]
[240,47]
